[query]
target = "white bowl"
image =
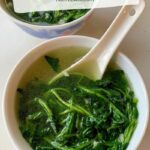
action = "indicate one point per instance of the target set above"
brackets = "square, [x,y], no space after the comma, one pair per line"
[10,91]
[48,31]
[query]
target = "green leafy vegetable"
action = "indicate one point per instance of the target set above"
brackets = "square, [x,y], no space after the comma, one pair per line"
[47,17]
[77,113]
[53,62]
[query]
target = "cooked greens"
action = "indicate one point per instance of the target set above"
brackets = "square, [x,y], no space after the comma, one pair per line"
[77,113]
[47,17]
[53,62]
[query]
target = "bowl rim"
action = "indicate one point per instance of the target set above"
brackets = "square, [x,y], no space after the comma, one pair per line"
[54,26]
[34,50]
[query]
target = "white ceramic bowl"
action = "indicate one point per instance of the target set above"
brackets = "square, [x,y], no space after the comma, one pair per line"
[48,31]
[42,49]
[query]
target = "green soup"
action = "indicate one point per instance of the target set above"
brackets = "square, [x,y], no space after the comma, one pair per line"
[75,112]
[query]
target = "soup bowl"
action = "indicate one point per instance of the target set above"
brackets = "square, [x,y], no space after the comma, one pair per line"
[47,31]
[9,97]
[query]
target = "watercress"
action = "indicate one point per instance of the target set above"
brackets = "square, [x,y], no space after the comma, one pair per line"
[77,113]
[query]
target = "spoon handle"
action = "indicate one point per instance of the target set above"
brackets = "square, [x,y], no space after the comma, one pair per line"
[106,47]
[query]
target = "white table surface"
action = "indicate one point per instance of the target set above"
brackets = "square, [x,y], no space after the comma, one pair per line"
[14,43]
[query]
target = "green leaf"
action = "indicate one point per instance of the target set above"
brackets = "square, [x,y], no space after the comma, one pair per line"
[53,62]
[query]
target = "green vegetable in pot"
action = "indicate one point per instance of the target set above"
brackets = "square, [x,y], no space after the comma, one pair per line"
[77,113]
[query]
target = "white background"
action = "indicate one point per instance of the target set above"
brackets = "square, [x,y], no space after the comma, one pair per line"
[14,43]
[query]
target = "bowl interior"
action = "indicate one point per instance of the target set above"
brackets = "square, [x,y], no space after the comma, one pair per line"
[79,41]
[3,6]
